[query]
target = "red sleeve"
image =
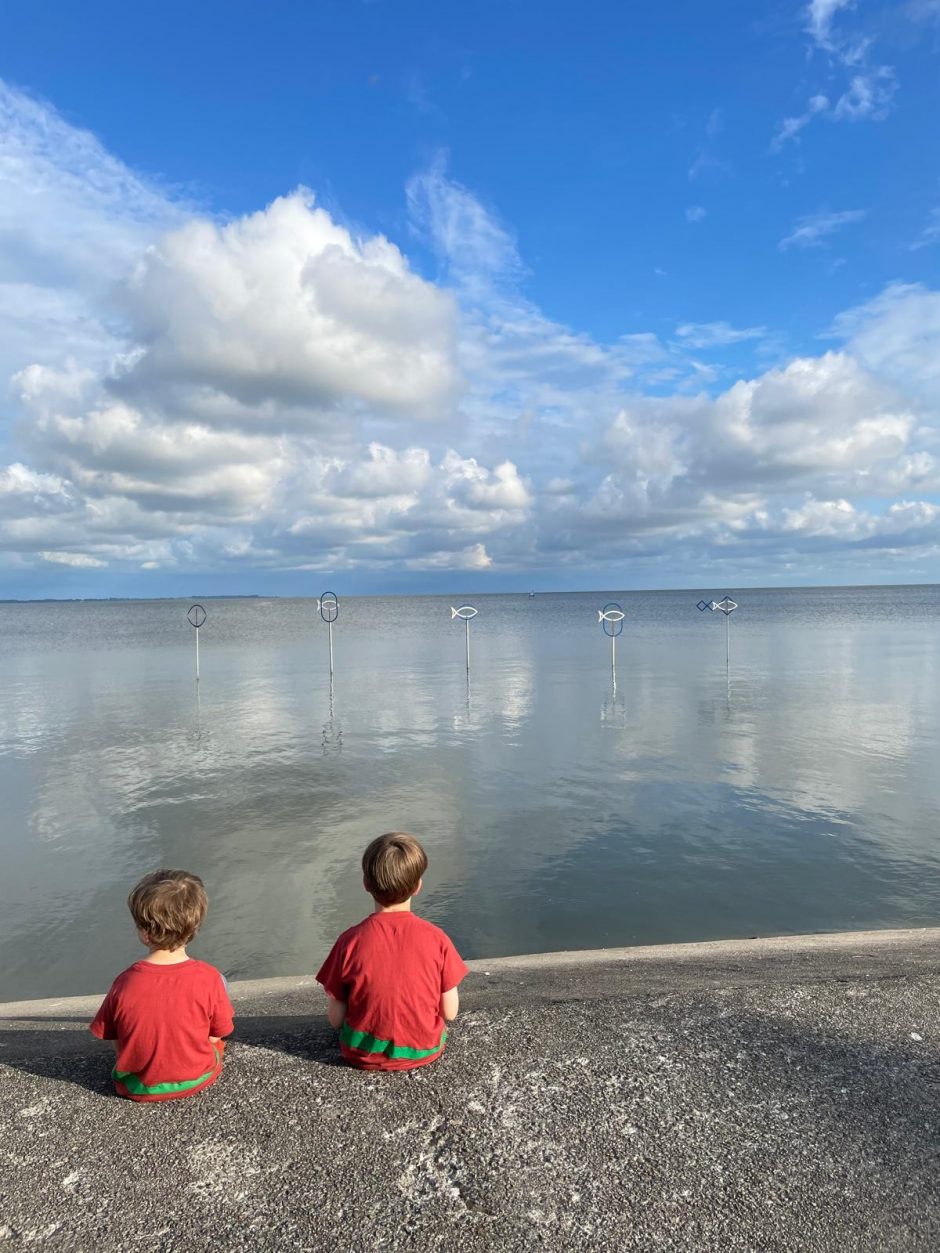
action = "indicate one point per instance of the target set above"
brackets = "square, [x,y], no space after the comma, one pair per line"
[454,967]
[223,1022]
[331,972]
[102,1024]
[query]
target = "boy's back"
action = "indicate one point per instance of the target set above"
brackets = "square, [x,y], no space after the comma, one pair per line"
[162,1017]
[391,971]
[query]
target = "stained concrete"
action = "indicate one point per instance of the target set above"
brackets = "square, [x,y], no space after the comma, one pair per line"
[767,1095]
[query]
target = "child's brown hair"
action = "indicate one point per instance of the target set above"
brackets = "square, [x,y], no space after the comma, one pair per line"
[392,867]
[169,906]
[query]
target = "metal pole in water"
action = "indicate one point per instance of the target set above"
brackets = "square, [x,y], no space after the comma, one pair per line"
[197,616]
[611,619]
[466,612]
[728,640]
[727,607]
[328,605]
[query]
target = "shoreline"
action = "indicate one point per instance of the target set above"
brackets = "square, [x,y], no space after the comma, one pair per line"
[775,1094]
[834,943]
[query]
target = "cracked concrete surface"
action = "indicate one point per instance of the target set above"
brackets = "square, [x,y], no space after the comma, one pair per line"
[774,1095]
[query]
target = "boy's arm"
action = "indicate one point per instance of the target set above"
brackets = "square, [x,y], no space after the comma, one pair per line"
[335,1011]
[450,1004]
[453,969]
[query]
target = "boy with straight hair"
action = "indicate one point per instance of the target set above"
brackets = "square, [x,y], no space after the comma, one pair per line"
[391,981]
[168,1012]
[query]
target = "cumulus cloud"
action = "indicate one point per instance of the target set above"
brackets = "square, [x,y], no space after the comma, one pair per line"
[286,305]
[278,392]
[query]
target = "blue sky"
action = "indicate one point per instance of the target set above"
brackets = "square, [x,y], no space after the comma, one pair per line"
[493,296]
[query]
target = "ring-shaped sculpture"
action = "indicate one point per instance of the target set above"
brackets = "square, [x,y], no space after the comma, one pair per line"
[611,618]
[328,604]
[465,613]
[196,615]
[726,605]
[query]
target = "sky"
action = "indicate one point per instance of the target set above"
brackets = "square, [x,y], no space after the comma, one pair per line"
[387,296]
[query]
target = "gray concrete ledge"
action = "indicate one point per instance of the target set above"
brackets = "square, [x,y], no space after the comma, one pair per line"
[764,1095]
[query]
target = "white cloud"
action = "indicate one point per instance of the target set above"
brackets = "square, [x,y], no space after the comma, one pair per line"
[868,95]
[286,305]
[814,230]
[695,213]
[79,560]
[931,232]
[896,335]
[717,334]
[73,219]
[790,127]
[820,15]
[868,90]
[278,392]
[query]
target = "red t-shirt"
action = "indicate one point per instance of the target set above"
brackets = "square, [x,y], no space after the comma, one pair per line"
[391,970]
[162,1017]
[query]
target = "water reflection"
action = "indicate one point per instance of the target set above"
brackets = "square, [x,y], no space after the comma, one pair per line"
[564,805]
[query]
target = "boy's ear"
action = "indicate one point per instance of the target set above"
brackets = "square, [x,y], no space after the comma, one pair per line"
[418,888]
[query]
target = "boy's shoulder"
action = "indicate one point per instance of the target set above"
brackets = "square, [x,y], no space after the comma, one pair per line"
[431,930]
[416,926]
[140,971]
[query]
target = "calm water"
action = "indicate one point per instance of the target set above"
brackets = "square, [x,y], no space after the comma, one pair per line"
[799,791]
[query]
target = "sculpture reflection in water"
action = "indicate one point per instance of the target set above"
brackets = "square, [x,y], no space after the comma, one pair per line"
[331,741]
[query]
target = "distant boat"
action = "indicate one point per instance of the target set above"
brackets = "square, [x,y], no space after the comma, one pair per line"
[531,595]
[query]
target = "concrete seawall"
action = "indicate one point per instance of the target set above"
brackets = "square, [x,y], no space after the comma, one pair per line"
[768,1094]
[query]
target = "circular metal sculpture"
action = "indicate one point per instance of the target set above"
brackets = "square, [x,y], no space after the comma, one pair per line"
[197,616]
[328,605]
[611,619]
[465,613]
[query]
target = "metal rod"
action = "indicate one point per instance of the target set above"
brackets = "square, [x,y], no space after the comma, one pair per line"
[467,622]
[613,656]
[197,654]
[727,639]
[331,648]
